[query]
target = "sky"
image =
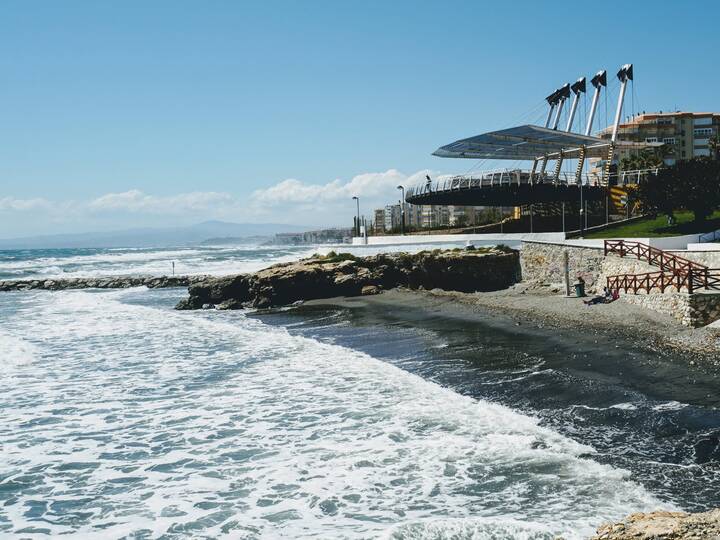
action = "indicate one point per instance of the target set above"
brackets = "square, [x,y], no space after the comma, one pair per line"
[130,114]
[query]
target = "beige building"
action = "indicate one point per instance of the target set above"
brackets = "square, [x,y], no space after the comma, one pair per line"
[685,134]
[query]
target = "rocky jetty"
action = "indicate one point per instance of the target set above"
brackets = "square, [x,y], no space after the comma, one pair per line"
[663,526]
[116,282]
[465,270]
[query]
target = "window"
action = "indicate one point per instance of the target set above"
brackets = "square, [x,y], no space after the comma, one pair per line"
[669,140]
[702,151]
[704,121]
[702,132]
[651,139]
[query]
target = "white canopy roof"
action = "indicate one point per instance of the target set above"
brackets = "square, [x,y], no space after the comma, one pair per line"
[531,142]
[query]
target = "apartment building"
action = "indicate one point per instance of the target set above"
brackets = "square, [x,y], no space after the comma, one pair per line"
[685,134]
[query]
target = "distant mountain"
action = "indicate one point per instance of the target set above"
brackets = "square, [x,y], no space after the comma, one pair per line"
[148,237]
[236,240]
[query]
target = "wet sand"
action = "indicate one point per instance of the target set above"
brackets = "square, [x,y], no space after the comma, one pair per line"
[549,311]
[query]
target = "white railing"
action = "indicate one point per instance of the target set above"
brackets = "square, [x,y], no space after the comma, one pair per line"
[712,236]
[509,177]
[633,177]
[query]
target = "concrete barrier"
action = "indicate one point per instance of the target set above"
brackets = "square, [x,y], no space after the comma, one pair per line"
[456,238]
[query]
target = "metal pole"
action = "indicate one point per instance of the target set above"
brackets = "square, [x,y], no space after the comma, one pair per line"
[559,112]
[357,200]
[562,94]
[566,265]
[531,218]
[402,211]
[625,74]
[577,88]
[600,79]
[563,216]
[607,209]
[582,229]
[549,116]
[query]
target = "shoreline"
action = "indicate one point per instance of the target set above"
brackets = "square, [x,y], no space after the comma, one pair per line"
[542,309]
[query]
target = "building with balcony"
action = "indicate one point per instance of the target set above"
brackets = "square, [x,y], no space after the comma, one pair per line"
[685,134]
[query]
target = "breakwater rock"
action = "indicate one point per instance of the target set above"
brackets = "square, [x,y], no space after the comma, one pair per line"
[113,282]
[466,270]
[663,525]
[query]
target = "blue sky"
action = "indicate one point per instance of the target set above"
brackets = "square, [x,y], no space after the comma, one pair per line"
[119,114]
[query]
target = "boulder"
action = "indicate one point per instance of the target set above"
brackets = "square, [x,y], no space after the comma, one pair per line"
[346,275]
[368,290]
[663,525]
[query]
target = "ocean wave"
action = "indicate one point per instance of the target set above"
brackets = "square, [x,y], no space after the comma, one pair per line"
[15,351]
[153,422]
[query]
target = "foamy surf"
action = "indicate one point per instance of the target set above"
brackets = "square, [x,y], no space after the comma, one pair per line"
[151,422]
[15,351]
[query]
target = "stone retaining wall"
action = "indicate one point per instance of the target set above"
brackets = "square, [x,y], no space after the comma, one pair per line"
[711,259]
[543,263]
[689,309]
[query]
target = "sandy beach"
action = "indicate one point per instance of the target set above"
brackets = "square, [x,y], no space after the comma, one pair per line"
[549,311]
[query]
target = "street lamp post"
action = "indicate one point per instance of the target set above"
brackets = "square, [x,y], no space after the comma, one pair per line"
[402,211]
[357,200]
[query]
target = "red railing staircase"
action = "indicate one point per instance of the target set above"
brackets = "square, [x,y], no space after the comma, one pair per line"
[675,271]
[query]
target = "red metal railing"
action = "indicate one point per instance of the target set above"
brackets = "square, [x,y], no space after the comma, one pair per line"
[675,271]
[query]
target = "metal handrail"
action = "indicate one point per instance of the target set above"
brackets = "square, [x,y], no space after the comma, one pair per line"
[711,236]
[679,271]
[507,177]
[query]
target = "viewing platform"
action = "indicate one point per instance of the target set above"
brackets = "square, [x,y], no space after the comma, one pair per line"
[516,187]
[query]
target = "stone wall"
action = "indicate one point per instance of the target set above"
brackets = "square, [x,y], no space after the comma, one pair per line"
[689,309]
[543,263]
[711,259]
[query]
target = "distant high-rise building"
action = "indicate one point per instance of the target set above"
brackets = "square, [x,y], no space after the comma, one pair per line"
[379,220]
[392,217]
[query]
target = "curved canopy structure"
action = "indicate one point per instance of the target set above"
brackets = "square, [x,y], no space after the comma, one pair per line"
[528,142]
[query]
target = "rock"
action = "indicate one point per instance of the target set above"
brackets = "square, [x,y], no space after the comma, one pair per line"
[228,304]
[369,290]
[325,277]
[207,306]
[116,282]
[663,525]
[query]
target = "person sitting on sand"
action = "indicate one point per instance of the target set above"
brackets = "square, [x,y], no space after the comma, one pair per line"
[605,298]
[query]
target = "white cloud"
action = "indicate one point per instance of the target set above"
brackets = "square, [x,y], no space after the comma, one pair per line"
[22,205]
[371,185]
[288,201]
[138,202]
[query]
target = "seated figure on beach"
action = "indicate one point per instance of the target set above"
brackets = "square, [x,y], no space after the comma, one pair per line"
[605,298]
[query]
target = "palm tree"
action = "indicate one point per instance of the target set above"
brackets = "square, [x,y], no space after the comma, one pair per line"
[714,144]
[649,158]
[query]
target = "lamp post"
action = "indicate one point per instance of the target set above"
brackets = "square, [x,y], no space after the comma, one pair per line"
[402,211]
[357,200]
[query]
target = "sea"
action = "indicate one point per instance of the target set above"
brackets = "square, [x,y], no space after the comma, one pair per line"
[123,418]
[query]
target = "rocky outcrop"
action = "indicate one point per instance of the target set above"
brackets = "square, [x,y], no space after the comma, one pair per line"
[663,526]
[345,275]
[116,282]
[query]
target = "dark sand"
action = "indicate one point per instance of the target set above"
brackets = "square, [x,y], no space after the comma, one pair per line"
[550,312]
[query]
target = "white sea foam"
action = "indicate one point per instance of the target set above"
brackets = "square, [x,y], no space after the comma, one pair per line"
[15,351]
[188,261]
[149,421]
